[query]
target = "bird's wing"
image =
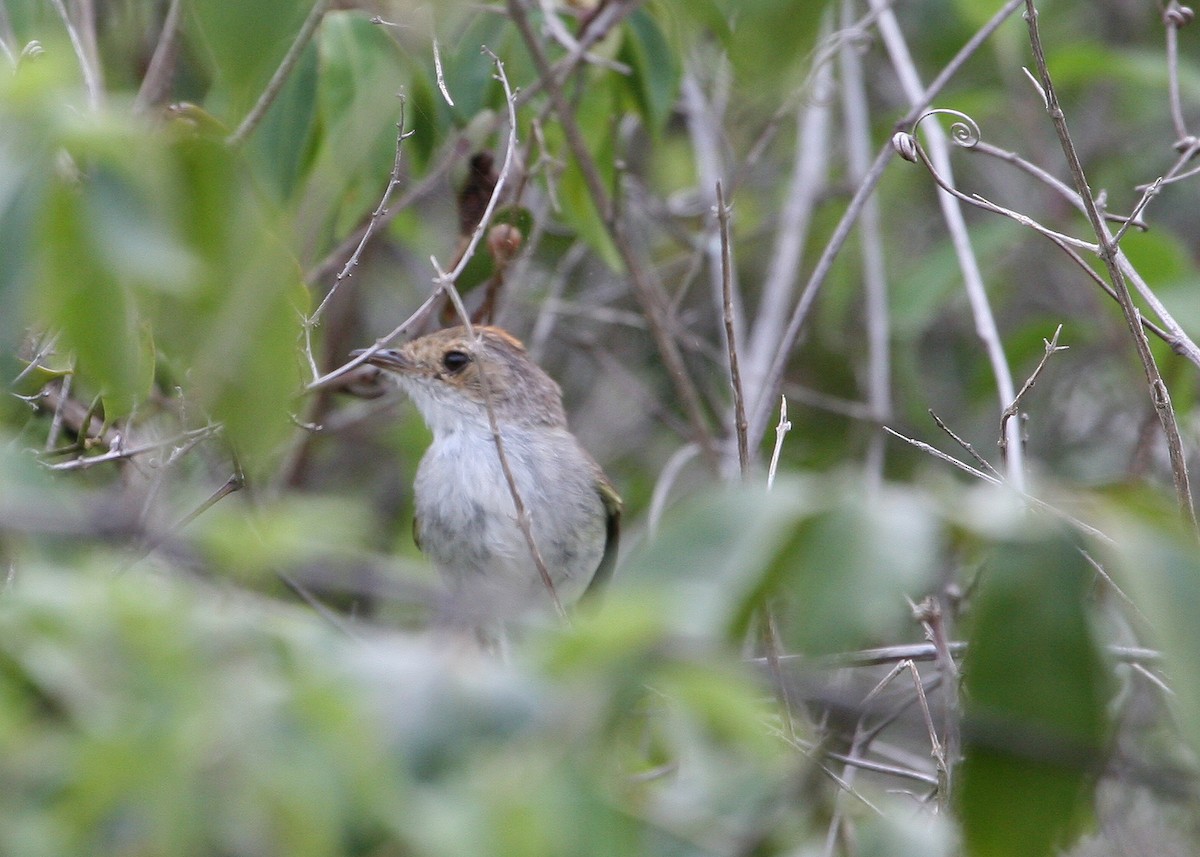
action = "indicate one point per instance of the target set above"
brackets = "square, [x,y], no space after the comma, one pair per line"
[612,514]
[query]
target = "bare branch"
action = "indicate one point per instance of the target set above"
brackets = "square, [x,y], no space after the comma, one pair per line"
[762,406]
[985,322]
[1052,347]
[92,80]
[1159,395]
[648,297]
[158,73]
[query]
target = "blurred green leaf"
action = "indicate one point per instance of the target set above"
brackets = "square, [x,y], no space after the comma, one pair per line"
[359,77]
[846,575]
[1036,689]
[1156,561]
[708,559]
[90,302]
[243,43]
[578,209]
[656,70]
[282,146]
[255,543]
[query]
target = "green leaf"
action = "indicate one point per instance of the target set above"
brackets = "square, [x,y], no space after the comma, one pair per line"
[655,79]
[243,43]
[710,556]
[845,577]
[1035,689]
[359,78]
[282,145]
[1156,562]
[577,207]
[90,302]
[232,337]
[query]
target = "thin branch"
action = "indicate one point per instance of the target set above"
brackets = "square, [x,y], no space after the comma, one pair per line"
[935,746]
[910,149]
[761,408]
[446,284]
[970,450]
[190,437]
[735,375]
[429,182]
[1174,334]
[372,224]
[524,521]
[1062,188]
[994,480]
[952,214]
[781,429]
[874,274]
[949,459]
[1175,16]
[279,78]
[92,81]
[807,182]
[1052,347]
[8,39]
[1159,394]
[704,116]
[441,77]
[445,279]
[666,481]
[648,297]
[158,73]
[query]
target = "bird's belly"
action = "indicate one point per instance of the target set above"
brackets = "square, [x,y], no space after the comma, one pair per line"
[467,525]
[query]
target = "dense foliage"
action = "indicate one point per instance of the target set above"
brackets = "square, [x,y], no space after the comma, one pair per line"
[214,626]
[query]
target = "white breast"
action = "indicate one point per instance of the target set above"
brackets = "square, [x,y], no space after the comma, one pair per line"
[467,518]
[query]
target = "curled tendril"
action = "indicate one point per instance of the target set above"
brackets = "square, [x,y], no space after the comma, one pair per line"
[965,132]
[1178,16]
[905,145]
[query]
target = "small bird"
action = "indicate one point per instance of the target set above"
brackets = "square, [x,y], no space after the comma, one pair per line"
[465,517]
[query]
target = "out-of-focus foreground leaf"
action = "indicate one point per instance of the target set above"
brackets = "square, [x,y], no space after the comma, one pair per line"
[1035,694]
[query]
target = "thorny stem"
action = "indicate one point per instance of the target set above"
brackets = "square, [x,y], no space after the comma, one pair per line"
[1159,395]
[445,280]
[1052,347]
[372,224]
[967,448]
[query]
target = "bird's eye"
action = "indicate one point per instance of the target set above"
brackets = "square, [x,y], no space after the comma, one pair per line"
[454,361]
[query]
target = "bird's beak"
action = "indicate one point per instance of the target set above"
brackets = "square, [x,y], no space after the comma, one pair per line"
[387,358]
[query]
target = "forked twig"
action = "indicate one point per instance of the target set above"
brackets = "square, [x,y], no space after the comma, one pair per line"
[1052,347]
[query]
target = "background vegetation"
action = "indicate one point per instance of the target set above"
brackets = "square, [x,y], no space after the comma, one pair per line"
[213,621]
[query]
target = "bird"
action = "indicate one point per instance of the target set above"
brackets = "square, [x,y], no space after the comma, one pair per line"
[493,413]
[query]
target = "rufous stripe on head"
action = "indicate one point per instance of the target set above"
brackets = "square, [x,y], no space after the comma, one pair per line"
[503,335]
